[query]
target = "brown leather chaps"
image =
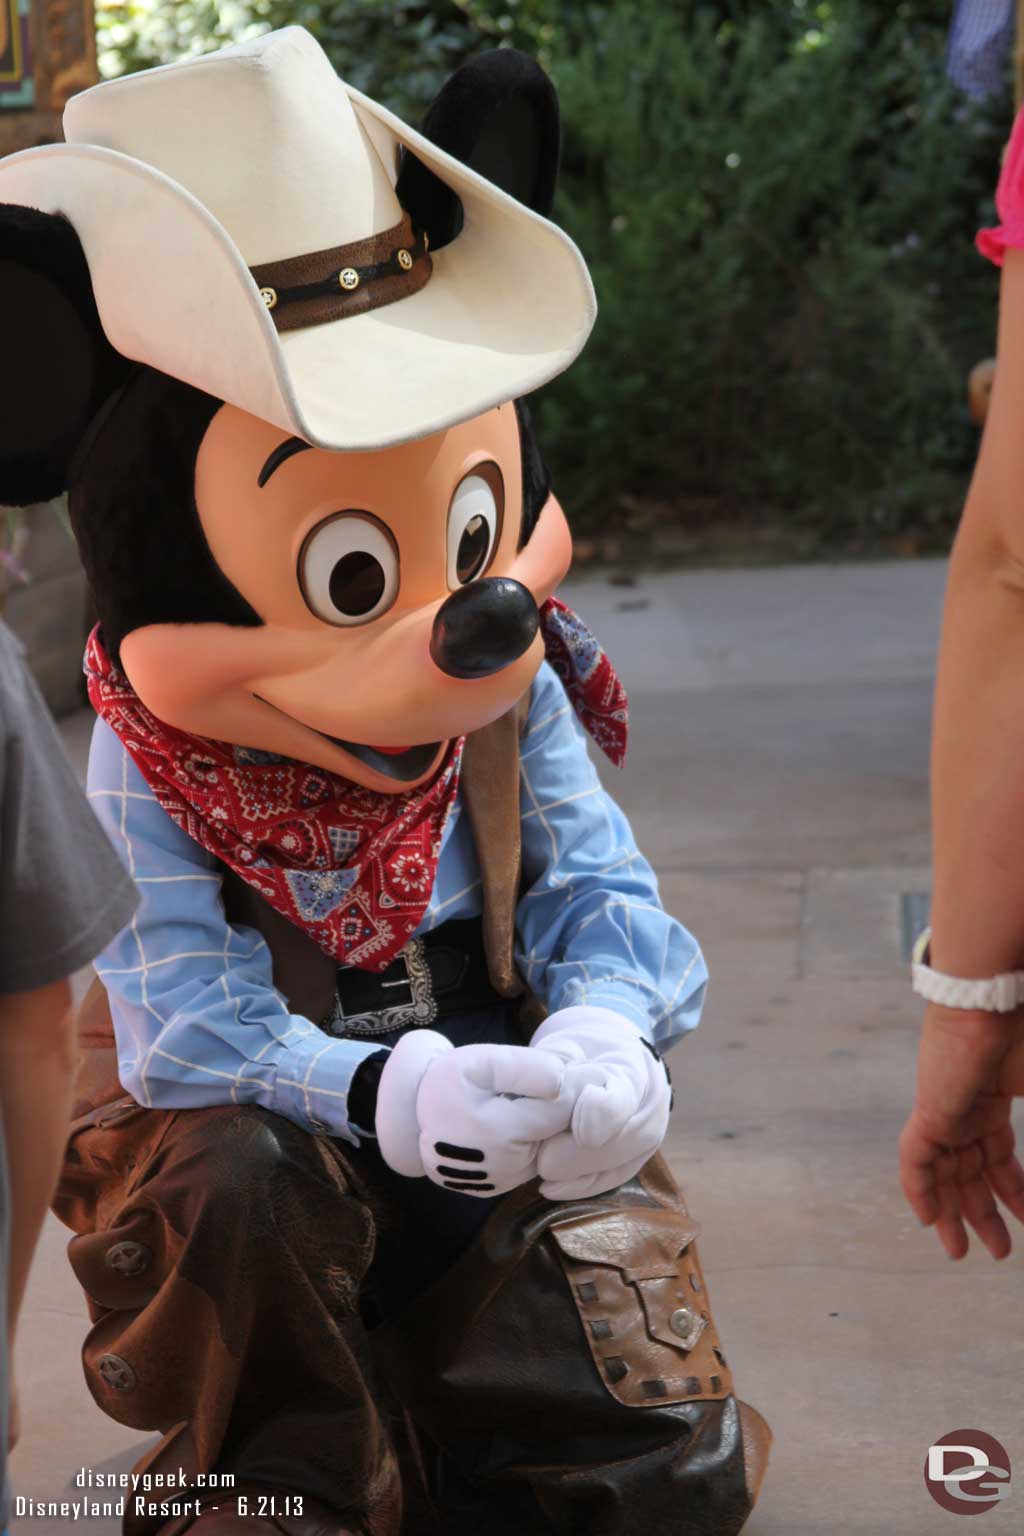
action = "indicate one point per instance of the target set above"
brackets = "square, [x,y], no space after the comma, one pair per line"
[562,1375]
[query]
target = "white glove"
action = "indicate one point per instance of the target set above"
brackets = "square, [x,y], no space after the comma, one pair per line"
[622,1095]
[470,1117]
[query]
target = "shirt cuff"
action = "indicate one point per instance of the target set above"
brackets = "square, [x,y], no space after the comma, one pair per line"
[660,1022]
[618,996]
[312,1083]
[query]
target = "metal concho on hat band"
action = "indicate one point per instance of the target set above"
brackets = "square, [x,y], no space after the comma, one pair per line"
[346,279]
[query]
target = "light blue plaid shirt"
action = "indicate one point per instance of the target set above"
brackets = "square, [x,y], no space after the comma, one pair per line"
[195,1013]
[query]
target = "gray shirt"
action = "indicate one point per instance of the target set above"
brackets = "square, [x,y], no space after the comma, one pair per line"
[63,891]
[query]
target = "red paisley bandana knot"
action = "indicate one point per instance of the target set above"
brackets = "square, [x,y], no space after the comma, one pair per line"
[588,677]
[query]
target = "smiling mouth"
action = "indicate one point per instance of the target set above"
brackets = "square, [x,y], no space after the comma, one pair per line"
[401,764]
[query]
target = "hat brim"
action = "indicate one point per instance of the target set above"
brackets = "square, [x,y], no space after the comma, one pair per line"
[508,306]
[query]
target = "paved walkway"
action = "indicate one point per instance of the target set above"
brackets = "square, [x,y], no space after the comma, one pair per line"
[777,777]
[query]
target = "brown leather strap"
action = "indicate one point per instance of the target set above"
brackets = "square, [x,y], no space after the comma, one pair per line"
[490,791]
[304,974]
[345,279]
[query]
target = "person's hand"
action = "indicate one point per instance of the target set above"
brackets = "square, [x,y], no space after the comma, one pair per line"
[957,1149]
[621,1097]
[469,1117]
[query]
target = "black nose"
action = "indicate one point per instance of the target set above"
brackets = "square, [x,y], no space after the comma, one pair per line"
[483,627]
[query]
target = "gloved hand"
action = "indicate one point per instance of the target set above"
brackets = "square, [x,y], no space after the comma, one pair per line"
[470,1117]
[622,1096]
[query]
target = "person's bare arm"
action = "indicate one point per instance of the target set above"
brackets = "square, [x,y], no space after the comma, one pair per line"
[37,1064]
[957,1150]
[978,740]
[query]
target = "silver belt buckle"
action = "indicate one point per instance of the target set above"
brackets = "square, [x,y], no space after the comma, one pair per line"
[418,1010]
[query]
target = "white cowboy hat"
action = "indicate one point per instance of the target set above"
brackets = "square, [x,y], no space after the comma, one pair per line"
[179,180]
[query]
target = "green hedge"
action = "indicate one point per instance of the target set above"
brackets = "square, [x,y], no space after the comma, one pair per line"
[779,222]
[777,202]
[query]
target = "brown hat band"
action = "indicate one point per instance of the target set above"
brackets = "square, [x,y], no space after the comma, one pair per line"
[345,280]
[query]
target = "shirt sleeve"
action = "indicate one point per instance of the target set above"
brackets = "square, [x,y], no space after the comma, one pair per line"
[63,892]
[590,925]
[196,1015]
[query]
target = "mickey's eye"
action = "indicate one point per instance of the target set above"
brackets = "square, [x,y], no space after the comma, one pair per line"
[348,569]
[474,521]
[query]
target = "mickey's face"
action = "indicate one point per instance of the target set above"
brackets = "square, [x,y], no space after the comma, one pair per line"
[398,610]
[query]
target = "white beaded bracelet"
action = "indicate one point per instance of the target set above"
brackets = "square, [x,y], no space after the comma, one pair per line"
[994,994]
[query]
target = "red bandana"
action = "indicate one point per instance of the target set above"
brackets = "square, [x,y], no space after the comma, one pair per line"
[351,866]
[588,677]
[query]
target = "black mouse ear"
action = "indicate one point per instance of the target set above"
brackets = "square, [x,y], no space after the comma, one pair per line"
[498,114]
[58,363]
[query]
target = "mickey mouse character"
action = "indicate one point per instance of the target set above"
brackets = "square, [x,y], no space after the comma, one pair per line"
[355,1227]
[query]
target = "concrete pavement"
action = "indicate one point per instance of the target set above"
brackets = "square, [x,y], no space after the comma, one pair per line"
[777,779]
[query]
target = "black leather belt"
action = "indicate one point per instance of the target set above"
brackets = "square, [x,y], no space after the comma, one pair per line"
[442,973]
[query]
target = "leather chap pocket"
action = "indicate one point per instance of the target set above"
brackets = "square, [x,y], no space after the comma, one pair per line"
[636,1280]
